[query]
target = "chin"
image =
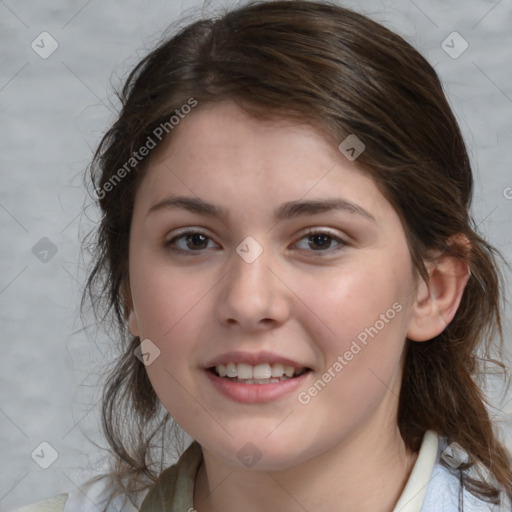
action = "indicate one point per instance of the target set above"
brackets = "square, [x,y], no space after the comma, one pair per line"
[258,453]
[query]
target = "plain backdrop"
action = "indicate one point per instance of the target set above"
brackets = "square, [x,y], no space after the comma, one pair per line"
[54,109]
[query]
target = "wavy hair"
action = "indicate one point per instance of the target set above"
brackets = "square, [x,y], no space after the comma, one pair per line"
[318,63]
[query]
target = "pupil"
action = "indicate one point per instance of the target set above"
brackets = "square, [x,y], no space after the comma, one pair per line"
[196,239]
[324,238]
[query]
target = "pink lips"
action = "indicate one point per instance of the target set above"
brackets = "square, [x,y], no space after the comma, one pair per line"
[254,393]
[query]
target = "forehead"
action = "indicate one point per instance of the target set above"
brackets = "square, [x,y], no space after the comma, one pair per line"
[220,152]
[226,131]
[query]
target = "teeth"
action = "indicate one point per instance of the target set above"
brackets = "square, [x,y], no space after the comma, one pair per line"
[277,370]
[231,370]
[221,369]
[264,371]
[244,371]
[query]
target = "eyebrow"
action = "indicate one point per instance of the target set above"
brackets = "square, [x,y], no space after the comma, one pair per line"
[286,211]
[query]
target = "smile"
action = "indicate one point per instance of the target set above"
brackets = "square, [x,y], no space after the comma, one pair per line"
[265,373]
[253,390]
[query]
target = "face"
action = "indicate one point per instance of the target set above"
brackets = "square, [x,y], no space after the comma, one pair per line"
[253,271]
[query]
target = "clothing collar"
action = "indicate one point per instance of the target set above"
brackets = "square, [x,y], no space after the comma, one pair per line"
[415,489]
[174,490]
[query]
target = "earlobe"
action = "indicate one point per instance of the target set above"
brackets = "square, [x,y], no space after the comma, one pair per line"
[436,304]
[129,309]
[132,323]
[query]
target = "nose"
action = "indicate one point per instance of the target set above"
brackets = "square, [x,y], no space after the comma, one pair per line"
[254,296]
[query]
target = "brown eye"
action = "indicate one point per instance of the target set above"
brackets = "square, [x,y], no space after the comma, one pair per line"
[190,241]
[322,241]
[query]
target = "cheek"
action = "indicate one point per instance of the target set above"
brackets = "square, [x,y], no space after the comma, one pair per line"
[169,305]
[366,311]
[165,297]
[171,310]
[362,357]
[355,302]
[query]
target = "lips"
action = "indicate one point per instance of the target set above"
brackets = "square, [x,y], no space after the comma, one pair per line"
[255,368]
[254,391]
[255,377]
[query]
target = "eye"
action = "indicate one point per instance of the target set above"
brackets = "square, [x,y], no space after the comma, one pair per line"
[196,241]
[189,241]
[321,241]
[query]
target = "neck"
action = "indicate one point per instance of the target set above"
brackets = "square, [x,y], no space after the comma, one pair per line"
[367,471]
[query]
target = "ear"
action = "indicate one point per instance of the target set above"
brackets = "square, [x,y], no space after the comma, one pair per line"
[133,324]
[437,301]
[129,310]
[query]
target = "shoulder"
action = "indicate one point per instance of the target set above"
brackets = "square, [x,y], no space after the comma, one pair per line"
[92,496]
[444,492]
[55,504]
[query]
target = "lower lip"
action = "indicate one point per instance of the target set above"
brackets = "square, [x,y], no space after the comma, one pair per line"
[255,393]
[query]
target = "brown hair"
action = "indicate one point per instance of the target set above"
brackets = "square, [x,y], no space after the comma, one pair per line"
[316,63]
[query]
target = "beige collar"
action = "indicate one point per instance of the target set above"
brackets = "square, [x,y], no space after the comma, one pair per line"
[413,495]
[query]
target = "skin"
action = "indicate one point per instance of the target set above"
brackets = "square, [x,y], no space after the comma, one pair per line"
[296,300]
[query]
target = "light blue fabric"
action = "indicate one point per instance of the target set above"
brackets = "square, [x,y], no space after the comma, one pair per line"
[444,488]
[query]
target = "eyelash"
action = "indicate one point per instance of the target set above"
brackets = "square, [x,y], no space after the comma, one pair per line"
[170,244]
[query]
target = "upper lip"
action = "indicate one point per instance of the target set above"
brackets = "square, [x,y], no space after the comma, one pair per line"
[253,359]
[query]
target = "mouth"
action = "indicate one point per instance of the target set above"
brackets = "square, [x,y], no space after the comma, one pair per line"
[266,373]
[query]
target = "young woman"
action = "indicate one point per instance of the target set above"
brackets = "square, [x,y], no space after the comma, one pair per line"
[287,249]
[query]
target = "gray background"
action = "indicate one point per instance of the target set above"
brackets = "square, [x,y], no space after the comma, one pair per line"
[52,114]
